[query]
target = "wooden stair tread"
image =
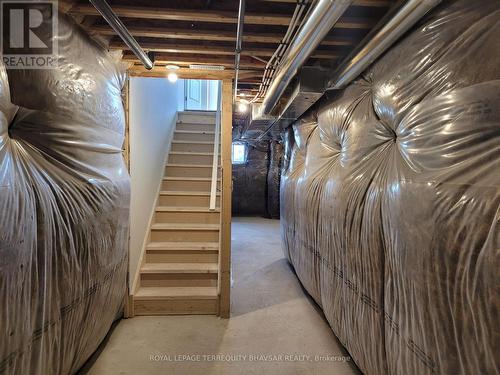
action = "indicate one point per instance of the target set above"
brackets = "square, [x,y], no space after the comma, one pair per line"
[182,226]
[193,141]
[189,165]
[186,192]
[209,123]
[191,153]
[146,293]
[209,132]
[185,209]
[183,246]
[189,179]
[179,268]
[198,112]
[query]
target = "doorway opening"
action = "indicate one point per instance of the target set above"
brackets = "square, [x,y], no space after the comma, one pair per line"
[200,95]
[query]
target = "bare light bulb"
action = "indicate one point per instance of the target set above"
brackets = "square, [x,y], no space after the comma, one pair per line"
[242,107]
[172,77]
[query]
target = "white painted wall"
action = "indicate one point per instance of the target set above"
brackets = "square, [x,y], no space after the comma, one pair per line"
[153,106]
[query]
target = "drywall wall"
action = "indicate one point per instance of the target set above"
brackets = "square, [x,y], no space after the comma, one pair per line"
[153,107]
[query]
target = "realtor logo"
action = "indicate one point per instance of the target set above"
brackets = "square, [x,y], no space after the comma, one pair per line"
[29,30]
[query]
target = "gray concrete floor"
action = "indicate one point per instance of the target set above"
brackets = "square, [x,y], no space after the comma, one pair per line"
[271,317]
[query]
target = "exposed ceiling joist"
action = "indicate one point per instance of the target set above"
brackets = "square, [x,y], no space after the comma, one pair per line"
[362,3]
[213,50]
[210,35]
[186,73]
[214,16]
[168,14]
[169,33]
[188,59]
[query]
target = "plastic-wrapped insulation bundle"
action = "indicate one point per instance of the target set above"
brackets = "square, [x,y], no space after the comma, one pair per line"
[391,201]
[64,204]
[273,179]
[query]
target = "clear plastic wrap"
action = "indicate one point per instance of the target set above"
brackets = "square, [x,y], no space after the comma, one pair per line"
[391,201]
[64,204]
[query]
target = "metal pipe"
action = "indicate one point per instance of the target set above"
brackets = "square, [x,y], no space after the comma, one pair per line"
[107,13]
[239,34]
[323,17]
[404,18]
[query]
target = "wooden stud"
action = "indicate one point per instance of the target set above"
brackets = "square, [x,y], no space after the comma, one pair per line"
[225,226]
[126,142]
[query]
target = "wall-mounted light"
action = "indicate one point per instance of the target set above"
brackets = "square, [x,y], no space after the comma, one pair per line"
[172,75]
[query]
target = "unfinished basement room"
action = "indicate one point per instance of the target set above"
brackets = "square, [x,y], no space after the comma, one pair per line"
[250,187]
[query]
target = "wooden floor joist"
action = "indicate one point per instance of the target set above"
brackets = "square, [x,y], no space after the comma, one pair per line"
[166,47]
[214,16]
[170,14]
[209,35]
[188,59]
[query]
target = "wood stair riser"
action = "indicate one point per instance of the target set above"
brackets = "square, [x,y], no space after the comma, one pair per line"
[183,185]
[181,171]
[162,235]
[187,217]
[178,280]
[205,137]
[191,159]
[192,147]
[196,118]
[196,127]
[175,307]
[187,200]
[181,256]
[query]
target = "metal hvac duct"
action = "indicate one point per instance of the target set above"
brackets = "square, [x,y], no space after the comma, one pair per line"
[378,42]
[323,17]
[112,19]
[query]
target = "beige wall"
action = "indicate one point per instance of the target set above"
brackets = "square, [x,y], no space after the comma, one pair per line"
[153,108]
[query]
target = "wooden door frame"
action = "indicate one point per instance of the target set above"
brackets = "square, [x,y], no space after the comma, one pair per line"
[226,76]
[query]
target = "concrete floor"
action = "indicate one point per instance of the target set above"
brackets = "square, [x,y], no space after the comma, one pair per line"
[271,316]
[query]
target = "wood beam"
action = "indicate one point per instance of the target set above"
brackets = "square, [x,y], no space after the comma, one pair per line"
[183,73]
[362,3]
[213,50]
[188,59]
[209,16]
[210,35]
[186,73]
[169,14]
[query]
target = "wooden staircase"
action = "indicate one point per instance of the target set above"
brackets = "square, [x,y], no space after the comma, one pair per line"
[180,264]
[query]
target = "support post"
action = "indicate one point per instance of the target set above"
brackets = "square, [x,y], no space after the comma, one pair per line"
[224,282]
